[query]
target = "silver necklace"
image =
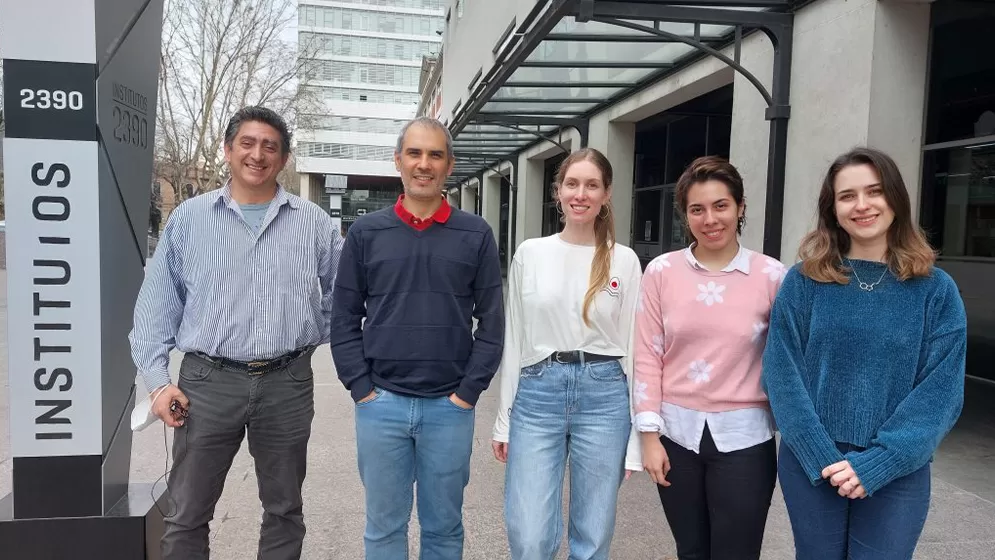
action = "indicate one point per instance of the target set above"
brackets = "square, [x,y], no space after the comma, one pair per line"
[864,285]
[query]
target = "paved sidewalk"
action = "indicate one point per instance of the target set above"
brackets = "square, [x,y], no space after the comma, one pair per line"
[961,523]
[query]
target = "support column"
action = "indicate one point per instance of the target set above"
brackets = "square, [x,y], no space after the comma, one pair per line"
[530,200]
[80,129]
[881,56]
[305,185]
[750,138]
[513,230]
[468,200]
[491,200]
[898,88]
[617,140]
[335,210]
[335,186]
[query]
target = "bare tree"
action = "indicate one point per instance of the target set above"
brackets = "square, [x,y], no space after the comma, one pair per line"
[219,56]
[289,177]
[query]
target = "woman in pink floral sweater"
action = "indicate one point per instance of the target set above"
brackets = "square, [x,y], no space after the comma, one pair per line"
[701,324]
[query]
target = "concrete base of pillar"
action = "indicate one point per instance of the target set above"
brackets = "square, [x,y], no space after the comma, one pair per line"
[130,530]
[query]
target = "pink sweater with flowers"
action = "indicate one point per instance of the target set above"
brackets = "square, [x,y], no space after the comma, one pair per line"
[700,336]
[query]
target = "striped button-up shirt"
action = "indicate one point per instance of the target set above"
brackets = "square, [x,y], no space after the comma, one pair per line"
[217,287]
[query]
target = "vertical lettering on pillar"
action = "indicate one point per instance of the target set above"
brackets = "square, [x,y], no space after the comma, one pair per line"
[50,157]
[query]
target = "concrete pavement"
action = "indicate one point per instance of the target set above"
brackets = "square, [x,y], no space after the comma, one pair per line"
[961,523]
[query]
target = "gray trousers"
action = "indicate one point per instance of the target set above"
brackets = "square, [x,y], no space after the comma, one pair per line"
[276,409]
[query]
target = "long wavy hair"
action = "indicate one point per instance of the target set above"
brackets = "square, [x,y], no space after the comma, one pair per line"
[909,254]
[604,223]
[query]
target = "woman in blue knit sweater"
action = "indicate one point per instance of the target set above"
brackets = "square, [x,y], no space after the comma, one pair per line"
[864,368]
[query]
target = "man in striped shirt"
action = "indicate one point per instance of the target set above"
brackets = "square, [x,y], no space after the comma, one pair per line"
[242,283]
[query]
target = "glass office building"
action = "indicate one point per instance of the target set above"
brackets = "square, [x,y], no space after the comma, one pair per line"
[362,67]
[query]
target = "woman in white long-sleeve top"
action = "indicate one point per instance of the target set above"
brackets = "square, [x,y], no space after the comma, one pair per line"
[566,372]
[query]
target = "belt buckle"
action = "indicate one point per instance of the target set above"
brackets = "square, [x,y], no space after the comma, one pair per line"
[556,356]
[255,368]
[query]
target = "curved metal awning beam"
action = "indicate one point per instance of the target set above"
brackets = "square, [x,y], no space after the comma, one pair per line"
[537,134]
[483,160]
[697,45]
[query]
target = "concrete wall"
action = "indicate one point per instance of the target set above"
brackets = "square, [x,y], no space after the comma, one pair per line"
[858,77]
[491,201]
[468,196]
[468,44]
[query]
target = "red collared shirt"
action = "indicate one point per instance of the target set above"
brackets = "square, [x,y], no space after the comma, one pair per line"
[440,215]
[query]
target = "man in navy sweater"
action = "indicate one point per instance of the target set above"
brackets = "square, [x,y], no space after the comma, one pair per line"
[418,273]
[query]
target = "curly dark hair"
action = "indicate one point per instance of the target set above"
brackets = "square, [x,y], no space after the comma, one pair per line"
[258,114]
[708,168]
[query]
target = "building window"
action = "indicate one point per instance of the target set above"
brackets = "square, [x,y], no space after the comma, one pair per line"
[550,215]
[666,144]
[345,151]
[962,85]
[957,208]
[962,209]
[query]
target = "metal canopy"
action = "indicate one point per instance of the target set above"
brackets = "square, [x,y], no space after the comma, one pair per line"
[572,58]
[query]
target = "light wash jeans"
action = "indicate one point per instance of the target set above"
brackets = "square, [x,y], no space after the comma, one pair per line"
[406,441]
[570,411]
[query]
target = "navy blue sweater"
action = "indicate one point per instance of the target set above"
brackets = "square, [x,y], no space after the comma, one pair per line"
[883,370]
[418,292]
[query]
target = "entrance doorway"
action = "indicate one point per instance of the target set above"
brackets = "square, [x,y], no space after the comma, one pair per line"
[504,226]
[550,215]
[666,144]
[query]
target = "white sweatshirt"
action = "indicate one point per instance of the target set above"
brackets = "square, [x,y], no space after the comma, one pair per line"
[544,314]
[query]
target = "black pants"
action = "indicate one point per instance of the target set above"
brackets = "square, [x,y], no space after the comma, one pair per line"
[717,503]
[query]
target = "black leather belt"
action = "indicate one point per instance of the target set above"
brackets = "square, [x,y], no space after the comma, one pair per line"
[256,367]
[573,356]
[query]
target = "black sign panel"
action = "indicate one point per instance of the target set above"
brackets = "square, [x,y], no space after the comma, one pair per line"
[335,212]
[50,100]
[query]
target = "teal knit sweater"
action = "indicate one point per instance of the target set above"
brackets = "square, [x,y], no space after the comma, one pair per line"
[880,369]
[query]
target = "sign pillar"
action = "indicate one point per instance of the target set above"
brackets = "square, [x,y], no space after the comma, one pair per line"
[80,83]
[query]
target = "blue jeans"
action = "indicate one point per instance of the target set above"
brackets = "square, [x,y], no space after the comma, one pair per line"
[827,526]
[404,441]
[576,411]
